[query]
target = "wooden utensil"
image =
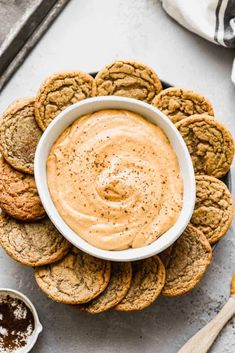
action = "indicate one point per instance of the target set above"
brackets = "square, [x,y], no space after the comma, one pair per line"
[203,340]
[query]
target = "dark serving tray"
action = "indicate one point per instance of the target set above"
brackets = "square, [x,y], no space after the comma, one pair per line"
[227,178]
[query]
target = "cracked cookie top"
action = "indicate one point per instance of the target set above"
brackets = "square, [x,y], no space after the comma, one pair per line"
[129,79]
[209,143]
[119,284]
[60,91]
[213,213]
[190,257]
[32,244]
[18,194]
[148,279]
[76,279]
[20,134]
[179,103]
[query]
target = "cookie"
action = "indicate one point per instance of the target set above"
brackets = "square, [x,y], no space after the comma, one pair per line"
[75,279]
[119,284]
[166,255]
[148,279]
[209,143]
[19,135]
[32,244]
[58,92]
[18,194]
[179,103]
[190,257]
[213,213]
[129,79]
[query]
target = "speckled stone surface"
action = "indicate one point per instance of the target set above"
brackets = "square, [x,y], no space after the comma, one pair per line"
[86,36]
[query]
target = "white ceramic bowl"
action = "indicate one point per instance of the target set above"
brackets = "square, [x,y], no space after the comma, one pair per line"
[66,118]
[37,328]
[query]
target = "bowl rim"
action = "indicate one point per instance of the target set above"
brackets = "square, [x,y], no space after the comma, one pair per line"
[91,105]
[37,324]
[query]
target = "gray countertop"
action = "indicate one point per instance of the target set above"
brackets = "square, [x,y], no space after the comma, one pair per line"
[86,36]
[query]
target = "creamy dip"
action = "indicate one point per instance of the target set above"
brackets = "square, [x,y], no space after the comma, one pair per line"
[115,180]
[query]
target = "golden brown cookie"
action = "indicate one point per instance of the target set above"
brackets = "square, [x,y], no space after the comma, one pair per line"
[189,260]
[213,213]
[60,91]
[147,282]
[209,143]
[130,79]
[18,194]
[179,103]
[75,279]
[32,244]
[119,284]
[19,135]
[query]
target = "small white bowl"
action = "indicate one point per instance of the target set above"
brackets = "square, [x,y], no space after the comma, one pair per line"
[66,118]
[37,325]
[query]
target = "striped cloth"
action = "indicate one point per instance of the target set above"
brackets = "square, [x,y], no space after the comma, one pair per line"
[213,20]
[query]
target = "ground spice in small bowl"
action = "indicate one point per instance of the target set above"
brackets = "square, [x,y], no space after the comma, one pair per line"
[16,324]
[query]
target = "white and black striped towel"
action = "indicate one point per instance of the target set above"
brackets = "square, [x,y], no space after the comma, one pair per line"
[213,20]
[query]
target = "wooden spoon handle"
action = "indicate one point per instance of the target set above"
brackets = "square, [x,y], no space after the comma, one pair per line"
[203,340]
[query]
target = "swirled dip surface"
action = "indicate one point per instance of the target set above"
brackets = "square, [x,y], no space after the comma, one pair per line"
[115,180]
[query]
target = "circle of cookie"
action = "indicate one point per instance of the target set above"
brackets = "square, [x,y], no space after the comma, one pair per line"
[213,213]
[129,79]
[119,284]
[179,103]
[209,143]
[58,92]
[76,279]
[19,135]
[190,257]
[18,194]
[32,244]
[147,282]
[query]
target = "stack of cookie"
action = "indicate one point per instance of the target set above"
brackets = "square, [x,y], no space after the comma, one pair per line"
[65,273]
[26,234]
[211,147]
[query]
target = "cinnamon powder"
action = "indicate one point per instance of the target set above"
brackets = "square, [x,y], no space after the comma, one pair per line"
[16,324]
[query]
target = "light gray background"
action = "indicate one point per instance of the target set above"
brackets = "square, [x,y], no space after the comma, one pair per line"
[87,35]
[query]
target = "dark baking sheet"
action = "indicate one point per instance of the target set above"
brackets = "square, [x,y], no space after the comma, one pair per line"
[22,24]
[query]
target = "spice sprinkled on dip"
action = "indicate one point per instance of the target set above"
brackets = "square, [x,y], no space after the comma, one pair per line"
[115,180]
